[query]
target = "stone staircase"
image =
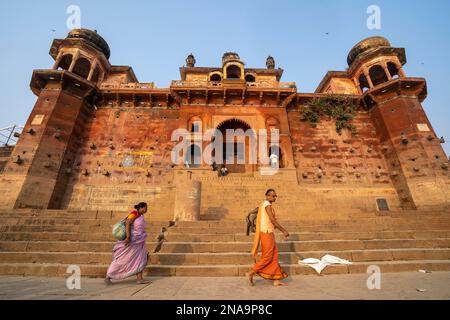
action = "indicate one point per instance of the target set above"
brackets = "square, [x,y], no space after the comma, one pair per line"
[46,242]
[233,196]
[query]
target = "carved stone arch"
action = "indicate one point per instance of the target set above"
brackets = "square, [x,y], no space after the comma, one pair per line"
[234,70]
[243,123]
[363,83]
[278,150]
[378,75]
[393,69]
[272,122]
[195,124]
[250,77]
[65,62]
[237,149]
[215,76]
[82,67]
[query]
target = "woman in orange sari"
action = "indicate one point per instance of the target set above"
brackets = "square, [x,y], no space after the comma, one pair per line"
[267,267]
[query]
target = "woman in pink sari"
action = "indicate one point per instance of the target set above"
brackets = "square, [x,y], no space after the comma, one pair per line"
[130,256]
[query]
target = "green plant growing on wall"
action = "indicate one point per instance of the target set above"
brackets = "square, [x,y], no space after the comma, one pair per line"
[340,108]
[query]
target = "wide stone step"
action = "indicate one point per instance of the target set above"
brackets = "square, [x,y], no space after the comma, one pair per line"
[318,245]
[318,222]
[63,236]
[301,216]
[311,228]
[238,224]
[293,257]
[173,235]
[31,269]
[226,258]
[176,232]
[106,219]
[221,247]
[69,222]
[299,236]
[67,228]
[304,236]
[79,215]
[297,214]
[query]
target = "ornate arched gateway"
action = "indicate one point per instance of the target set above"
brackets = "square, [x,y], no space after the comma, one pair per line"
[237,145]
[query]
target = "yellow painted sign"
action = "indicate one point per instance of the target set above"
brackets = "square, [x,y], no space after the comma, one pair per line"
[137,159]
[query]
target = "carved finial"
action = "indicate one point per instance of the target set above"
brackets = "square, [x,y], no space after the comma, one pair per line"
[270,63]
[190,61]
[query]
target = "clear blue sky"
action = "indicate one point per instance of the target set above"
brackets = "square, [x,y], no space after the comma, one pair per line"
[154,37]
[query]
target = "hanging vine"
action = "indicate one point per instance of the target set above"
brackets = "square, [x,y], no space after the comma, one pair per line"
[340,108]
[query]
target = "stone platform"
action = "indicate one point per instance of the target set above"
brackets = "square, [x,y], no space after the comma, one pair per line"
[402,286]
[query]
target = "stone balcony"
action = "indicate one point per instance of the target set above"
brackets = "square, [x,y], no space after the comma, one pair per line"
[232,83]
[127,86]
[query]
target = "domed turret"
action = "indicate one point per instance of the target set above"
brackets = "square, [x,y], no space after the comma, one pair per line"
[93,38]
[83,52]
[232,65]
[365,46]
[230,57]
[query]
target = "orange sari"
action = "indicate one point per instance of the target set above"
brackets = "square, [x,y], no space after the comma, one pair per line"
[267,267]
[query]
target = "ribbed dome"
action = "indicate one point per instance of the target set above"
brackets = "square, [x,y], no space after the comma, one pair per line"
[366,45]
[93,37]
[230,56]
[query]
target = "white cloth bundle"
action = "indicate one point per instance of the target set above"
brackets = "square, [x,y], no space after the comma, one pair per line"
[326,260]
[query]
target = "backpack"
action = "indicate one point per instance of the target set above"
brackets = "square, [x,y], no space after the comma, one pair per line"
[251,221]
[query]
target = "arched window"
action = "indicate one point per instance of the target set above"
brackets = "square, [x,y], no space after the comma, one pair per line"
[275,155]
[82,67]
[233,72]
[195,125]
[236,148]
[250,78]
[65,62]
[271,124]
[215,77]
[393,70]
[363,83]
[377,75]
[193,157]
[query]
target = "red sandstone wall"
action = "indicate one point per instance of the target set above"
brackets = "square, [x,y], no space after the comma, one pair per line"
[127,157]
[344,159]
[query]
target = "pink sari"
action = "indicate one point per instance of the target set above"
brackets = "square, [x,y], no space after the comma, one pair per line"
[132,259]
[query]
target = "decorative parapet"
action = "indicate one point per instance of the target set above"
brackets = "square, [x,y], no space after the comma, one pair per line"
[209,84]
[127,86]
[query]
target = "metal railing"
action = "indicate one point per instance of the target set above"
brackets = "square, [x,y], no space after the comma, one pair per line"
[10,135]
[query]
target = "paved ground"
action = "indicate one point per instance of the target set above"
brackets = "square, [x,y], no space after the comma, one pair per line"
[353,286]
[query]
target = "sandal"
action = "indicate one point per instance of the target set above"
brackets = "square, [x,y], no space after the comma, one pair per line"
[143,281]
[279,283]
